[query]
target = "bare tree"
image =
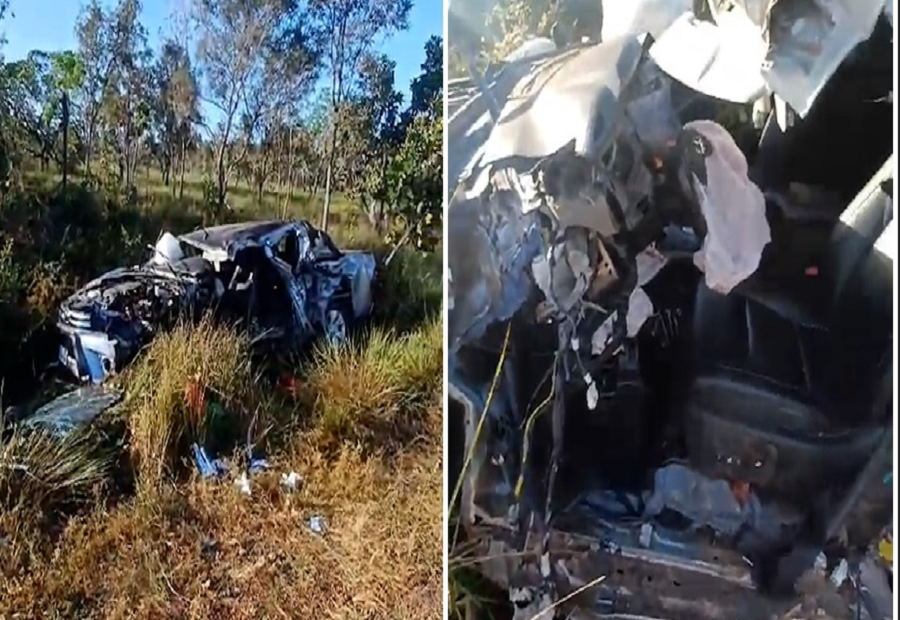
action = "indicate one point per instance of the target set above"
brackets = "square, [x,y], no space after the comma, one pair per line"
[176,109]
[98,58]
[251,53]
[350,28]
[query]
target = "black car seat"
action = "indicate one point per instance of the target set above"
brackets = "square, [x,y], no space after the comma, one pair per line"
[790,382]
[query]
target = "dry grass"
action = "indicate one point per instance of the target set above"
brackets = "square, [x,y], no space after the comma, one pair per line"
[116,523]
[42,471]
[194,385]
[207,552]
[364,433]
[376,393]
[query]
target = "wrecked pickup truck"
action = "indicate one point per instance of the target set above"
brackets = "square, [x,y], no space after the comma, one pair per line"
[281,280]
[670,368]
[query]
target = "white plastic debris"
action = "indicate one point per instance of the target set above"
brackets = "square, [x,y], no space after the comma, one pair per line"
[243,484]
[317,525]
[563,273]
[290,481]
[649,263]
[603,336]
[646,535]
[821,563]
[545,565]
[593,395]
[840,573]
[734,209]
[640,308]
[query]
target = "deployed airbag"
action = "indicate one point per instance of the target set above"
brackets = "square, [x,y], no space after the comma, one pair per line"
[732,205]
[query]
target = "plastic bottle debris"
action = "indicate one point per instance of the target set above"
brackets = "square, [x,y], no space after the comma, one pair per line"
[593,395]
[243,484]
[840,573]
[290,482]
[646,535]
[317,525]
[208,468]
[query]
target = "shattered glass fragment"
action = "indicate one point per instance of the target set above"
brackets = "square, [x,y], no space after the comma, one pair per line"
[74,409]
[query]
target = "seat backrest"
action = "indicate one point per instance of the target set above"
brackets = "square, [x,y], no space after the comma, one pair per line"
[862,257]
[857,230]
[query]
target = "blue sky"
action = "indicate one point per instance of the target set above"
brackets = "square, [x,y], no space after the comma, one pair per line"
[49,25]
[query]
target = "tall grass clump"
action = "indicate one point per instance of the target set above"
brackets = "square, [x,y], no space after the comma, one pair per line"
[195,384]
[47,473]
[377,391]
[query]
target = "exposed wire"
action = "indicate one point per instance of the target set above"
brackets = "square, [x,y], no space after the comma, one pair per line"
[487,404]
[569,596]
[529,426]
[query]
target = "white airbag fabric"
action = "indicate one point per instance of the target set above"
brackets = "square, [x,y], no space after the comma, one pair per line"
[735,212]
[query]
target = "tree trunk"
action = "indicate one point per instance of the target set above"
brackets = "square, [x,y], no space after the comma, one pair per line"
[332,155]
[220,177]
[183,158]
[89,150]
[65,130]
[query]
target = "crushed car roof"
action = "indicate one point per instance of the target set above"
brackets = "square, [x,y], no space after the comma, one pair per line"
[222,237]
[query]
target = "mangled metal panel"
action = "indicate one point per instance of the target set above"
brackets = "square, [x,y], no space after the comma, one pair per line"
[576,89]
[73,410]
[105,323]
[535,210]
[787,47]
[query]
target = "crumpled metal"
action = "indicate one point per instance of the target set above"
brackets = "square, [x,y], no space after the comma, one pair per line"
[494,242]
[73,410]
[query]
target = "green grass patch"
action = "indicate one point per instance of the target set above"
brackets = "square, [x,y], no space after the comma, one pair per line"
[376,392]
[194,384]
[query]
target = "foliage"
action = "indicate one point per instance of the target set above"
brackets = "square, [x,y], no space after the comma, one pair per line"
[428,87]
[487,31]
[406,169]
[349,29]
[415,181]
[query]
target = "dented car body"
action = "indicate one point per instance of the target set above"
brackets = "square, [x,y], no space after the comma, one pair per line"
[670,370]
[283,281]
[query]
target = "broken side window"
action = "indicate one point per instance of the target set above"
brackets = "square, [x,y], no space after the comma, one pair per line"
[288,250]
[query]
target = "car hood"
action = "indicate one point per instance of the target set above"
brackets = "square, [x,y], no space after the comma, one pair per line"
[216,239]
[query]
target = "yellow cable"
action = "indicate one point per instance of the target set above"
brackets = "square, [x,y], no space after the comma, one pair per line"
[526,440]
[487,405]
